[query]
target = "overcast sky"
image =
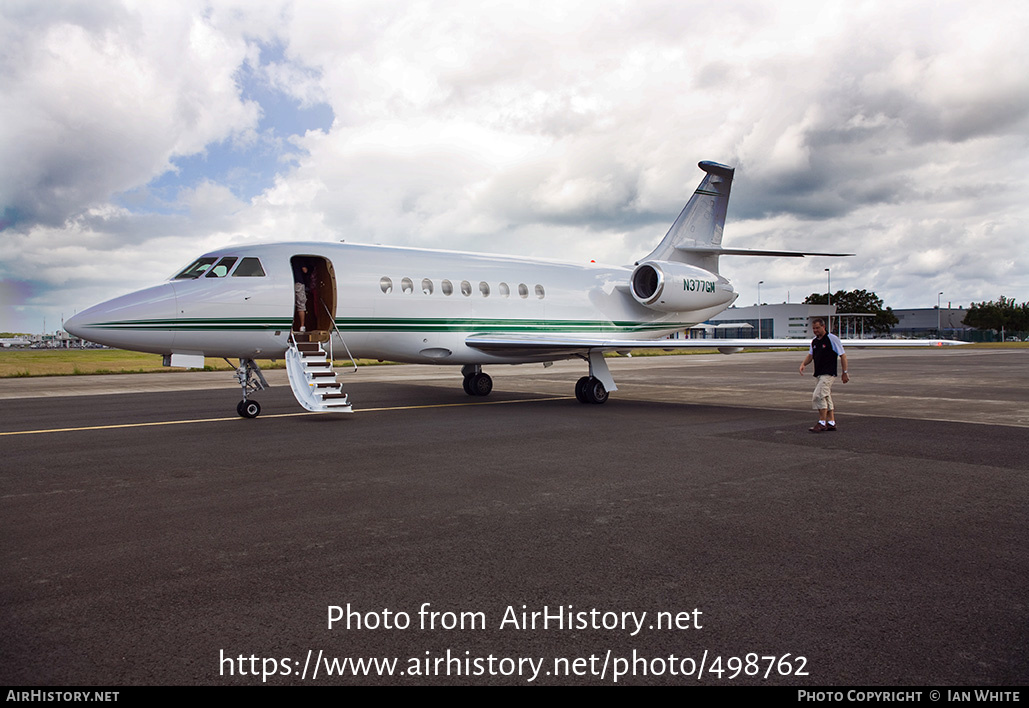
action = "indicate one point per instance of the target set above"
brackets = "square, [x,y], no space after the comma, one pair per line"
[136,135]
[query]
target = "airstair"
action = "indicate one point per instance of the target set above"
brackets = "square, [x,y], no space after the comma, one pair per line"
[313,379]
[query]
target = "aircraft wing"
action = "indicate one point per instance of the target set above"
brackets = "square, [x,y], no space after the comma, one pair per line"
[530,345]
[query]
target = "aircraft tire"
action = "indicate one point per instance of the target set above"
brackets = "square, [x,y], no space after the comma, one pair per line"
[468,385]
[595,392]
[249,408]
[480,384]
[580,389]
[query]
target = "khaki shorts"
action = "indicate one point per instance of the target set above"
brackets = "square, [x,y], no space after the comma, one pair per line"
[822,398]
[301,296]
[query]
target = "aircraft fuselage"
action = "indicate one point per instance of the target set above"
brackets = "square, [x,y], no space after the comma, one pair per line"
[400,304]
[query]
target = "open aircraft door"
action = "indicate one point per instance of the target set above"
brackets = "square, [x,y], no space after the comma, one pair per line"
[317,308]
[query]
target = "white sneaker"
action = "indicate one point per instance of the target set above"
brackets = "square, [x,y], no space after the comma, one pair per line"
[303,329]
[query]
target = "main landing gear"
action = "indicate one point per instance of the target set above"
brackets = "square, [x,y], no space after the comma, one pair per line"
[596,387]
[476,383]
[589,389]
[251,380]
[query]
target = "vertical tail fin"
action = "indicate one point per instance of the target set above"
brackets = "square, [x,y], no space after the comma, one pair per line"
[700,223]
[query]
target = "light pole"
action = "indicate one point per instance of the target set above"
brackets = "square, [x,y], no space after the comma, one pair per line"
[939,297]
[759,308]
[828,295]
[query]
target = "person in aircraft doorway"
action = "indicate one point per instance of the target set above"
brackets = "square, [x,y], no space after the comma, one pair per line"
[300,288]
[825,349]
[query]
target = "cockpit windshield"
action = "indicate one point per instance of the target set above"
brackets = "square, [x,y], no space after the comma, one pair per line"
[196,269]
[223,267]
[248,268]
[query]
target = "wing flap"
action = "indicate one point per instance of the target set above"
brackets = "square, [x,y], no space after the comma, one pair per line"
[514,345]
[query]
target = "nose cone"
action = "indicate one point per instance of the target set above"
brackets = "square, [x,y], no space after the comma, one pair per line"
[141,321]
[74,325]
[81,324]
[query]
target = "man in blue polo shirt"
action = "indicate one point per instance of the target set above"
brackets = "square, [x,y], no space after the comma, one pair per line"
[825,349]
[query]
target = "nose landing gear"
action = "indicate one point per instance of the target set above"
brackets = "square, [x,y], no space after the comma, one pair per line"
[251,380]
[248,408]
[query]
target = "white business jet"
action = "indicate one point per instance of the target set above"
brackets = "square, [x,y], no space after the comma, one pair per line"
[296,300]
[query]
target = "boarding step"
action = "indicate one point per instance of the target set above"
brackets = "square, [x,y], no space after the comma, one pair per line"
[313,380]
[313,337]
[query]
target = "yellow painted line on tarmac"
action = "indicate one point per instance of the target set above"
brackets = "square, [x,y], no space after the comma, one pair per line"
[275,415]
[115,427]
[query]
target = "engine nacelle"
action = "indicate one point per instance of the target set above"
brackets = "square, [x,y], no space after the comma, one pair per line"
[678,287]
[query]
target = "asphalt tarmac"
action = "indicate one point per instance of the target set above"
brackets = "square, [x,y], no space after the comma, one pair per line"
[156,538]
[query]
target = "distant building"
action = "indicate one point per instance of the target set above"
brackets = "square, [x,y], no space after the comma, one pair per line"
[793,321]
[923,322]
[781,321]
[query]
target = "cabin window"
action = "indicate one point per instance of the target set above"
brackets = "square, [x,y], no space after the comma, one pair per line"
[504,290]
[539,292]
[223,267]
[196,268]
[426,286]
[466,288]
[523,290]
[249,268]
[484,288]
[407,286]
[447,287]
[386,284]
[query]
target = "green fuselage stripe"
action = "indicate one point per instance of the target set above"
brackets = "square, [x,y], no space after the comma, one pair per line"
[397,324]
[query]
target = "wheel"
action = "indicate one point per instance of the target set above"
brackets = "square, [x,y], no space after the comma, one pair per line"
[480,384]
[468,385]
[595,391]
[249,409]
[580,389]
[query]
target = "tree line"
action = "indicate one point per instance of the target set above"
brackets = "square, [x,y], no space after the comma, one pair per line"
[1003,314]
[859,302]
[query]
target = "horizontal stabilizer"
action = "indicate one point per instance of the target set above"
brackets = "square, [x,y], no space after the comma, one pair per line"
[714,168]
[707,250]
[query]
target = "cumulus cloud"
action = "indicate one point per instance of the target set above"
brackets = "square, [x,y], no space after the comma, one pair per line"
[892,130]
[99,99]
